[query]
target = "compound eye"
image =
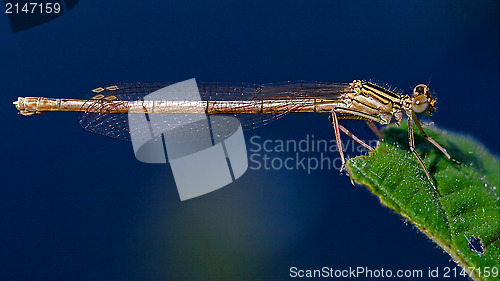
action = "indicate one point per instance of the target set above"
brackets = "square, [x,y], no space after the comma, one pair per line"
[421,90]
[420,104]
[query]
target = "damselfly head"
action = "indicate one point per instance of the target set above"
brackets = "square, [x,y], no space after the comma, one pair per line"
[422,101]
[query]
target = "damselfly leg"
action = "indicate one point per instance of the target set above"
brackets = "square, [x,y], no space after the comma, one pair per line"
[411,142]
[374,128]
[337,128]
[431,140]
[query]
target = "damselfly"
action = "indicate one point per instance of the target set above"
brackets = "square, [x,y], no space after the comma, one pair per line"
[105,112]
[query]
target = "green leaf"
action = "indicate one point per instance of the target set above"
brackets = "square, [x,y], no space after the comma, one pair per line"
[467,207]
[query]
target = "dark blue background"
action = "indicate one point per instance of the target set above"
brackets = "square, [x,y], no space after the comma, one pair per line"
[78,206]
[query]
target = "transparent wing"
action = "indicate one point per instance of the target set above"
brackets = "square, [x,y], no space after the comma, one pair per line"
[116,125]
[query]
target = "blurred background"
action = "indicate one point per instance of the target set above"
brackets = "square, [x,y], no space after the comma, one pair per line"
[79,206]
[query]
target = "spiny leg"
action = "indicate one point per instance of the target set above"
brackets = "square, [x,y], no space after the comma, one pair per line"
[336,126]
[437,145]
[351,135]
[348,133]
[411,142]
[374,128]
[335,123]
